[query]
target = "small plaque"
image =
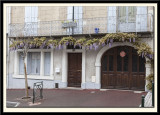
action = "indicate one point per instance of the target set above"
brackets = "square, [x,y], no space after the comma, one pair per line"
[122,53]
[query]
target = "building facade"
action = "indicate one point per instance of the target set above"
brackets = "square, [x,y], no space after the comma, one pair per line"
[102,68]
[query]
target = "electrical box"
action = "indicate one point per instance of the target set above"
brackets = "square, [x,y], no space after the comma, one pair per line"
[57,70]
[93,78]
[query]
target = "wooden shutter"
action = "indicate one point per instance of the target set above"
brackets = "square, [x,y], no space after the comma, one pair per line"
[47,61]
[111,25]
[141,19]
[21,65]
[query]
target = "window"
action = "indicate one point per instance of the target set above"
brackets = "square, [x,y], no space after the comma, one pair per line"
[33,63]
[74,13]
[31,17]
[127,14]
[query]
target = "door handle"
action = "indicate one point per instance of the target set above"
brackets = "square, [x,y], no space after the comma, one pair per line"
[78,70]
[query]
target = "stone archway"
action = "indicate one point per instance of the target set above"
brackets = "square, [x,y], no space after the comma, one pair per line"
[98,62]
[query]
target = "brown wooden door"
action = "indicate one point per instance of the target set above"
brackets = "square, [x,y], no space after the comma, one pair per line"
[74,69]
[126,72]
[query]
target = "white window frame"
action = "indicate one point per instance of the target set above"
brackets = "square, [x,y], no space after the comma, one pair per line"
[41,76]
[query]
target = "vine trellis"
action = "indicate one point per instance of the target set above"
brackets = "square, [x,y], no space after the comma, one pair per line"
[143,49]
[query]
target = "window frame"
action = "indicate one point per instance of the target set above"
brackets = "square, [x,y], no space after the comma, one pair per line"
[35,76]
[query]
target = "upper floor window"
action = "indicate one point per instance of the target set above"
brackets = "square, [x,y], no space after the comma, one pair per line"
[31,19]
[127,14]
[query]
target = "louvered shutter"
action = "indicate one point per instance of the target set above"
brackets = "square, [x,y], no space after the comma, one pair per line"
[141,19]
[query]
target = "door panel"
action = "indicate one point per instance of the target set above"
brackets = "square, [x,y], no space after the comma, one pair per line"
[126,72]
[74,69]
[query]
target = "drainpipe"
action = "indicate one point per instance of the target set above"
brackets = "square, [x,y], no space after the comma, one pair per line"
[73,21]
[8,43]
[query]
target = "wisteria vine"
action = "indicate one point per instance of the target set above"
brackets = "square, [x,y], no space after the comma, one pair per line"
[143,49]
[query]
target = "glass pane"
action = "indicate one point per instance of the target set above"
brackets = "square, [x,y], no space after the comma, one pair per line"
[33,66]
[38,67]
[134,51]
[47,58]
[21,64]
[104,63]
[29,63]
[119,63]
[111,51]
[134,63]
[141,64]
[111,63]
[33,63]
[125,65]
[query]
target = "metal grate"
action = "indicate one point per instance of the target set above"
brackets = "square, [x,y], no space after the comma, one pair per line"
[82,26]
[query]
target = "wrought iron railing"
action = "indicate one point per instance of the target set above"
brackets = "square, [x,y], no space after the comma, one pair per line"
[111,24]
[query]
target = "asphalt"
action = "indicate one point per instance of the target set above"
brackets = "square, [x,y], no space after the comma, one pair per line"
[76,98]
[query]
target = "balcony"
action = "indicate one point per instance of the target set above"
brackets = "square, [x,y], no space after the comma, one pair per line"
[111,24]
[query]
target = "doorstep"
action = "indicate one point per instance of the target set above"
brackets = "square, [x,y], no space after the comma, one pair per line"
[72,88]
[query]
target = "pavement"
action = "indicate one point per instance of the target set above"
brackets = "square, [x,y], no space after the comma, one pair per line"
[77,98]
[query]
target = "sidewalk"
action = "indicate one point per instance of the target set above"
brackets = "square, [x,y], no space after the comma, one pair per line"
[78,98]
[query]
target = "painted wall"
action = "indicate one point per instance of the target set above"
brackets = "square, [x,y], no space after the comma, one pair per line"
[90,70]
[60,13]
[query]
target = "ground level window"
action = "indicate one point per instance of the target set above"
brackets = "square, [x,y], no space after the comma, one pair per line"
[33,63]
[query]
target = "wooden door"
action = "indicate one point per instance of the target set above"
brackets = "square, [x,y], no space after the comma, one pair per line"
[126,72]
[74,69]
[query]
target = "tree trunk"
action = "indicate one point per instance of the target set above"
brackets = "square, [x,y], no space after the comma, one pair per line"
[26,82]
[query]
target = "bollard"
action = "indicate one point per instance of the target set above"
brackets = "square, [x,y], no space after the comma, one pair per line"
[152,93]
[142,104]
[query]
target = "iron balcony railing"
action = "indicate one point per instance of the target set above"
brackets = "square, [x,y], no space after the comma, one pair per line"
[110,24]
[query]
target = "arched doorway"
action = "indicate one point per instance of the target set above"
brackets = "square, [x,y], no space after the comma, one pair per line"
[126,72]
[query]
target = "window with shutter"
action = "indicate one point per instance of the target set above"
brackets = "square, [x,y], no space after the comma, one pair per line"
[127,14]
[74,13]
[33,63]
[31,17]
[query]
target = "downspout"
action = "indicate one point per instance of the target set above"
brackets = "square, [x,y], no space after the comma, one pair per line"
[8,40]
[73,21]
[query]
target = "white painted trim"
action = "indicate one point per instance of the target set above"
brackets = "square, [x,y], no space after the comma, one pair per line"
[41,76]
[34,77]
[51,66]
[42,63]
[16,63]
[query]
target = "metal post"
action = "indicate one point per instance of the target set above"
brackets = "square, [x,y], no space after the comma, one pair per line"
[142,104]
[41,90]
[33,93]
[152,93]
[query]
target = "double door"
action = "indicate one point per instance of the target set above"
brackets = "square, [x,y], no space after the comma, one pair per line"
[126,72]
